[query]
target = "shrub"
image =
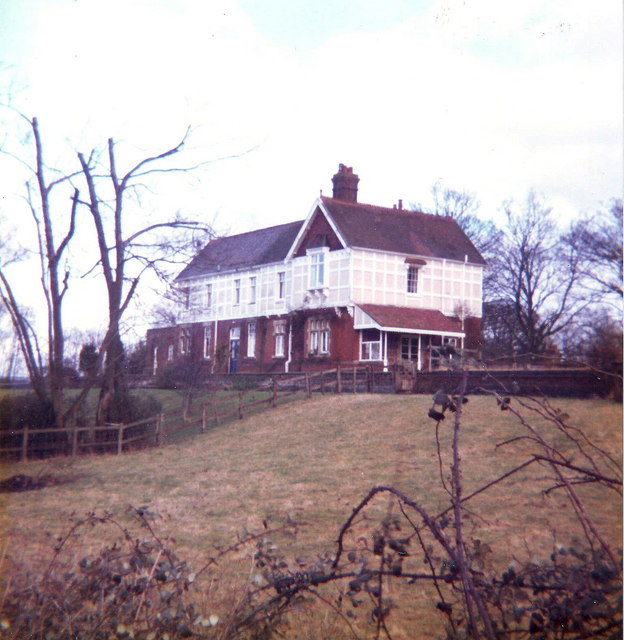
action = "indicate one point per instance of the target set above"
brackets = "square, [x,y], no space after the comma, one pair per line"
[136,586]
[143,405]
[25,410]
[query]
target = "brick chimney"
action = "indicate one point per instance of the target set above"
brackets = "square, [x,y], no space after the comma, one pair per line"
[345,184]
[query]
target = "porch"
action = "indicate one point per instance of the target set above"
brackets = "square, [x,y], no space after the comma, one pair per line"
[409,340]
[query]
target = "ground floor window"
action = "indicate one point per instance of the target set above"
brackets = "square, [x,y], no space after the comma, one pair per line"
[251,340]
[371,344]
[318,335]
[279,327]
[207,342]
[170,352]
[444,351]
[185,341]
[409,347]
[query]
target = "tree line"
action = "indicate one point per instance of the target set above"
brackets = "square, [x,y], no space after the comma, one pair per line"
[546,287]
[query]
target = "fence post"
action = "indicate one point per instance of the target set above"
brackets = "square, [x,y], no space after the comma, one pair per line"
[159,429]
[120,429]
[24,455]
[274,400]
[240,405]
[307,383]
[354,379]
[204,418]
[372,386]
[339,379]
[75,442]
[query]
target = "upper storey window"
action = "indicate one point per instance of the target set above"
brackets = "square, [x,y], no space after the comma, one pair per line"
[414,265]
[318,269]
[185,295]
[252,290]
[412,279]
[237,291]
[281,285]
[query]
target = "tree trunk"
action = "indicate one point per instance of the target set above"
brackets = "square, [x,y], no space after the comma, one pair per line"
[114,404]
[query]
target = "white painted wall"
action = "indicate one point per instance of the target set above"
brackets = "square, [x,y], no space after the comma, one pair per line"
[352,276]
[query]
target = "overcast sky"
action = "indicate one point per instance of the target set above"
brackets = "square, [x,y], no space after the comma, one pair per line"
[490,96]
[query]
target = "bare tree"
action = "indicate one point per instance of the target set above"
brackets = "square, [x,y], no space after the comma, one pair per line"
[124,257]
[598,239]
[538,275]
[46,374]
[464,206]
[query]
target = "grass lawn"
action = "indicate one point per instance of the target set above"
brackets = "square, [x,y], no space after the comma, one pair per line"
[315,460]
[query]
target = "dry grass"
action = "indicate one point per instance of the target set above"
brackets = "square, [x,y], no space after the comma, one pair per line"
[316,460]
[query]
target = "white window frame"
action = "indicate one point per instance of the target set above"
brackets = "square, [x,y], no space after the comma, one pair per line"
[413,278]
[207,342]
[318,268]
[185,293]
[208,296]
[253,286]
[170,353]
[237,291]
[281,285]
[185,341]
[251,340]
[279,328]
[370,350]
[319,336]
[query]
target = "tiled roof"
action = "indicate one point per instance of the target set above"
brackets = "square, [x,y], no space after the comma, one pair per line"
[361,225]
[411,319]
[401,231]
[263,246]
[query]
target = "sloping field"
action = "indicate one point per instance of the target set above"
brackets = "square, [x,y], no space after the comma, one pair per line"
[314,461]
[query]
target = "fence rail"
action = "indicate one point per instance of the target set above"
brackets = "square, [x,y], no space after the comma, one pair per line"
[155,431]
[162,428]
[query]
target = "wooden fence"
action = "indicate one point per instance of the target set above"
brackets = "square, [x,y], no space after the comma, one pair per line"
[157,430]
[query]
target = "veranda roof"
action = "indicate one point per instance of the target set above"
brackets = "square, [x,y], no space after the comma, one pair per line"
[404,320]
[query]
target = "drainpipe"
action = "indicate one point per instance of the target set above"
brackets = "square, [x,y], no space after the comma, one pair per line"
[288,361]
[214,344]
[385,348]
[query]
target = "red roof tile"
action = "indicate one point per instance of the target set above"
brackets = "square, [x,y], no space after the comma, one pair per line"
[422,320]
[401,231]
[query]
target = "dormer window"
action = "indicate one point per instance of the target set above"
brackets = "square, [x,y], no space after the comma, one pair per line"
[317,269]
